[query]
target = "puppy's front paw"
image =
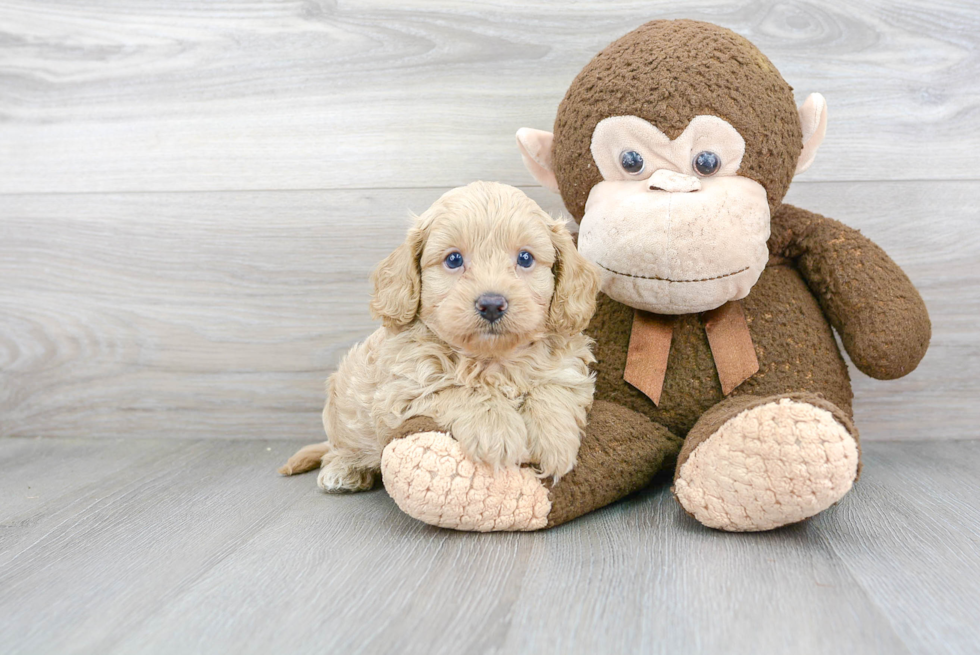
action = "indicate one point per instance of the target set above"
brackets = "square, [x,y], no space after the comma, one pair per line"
[555,418]
[553,441]
[497,437]
[554,458]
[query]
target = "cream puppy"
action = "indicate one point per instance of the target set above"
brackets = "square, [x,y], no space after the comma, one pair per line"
[483,309]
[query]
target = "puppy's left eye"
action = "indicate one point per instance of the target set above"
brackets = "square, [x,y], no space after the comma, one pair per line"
[525,259]
[453,260]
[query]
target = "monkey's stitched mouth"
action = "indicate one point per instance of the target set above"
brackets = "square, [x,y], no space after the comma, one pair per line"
[667,279]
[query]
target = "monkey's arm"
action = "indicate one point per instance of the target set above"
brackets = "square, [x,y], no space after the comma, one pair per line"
[869,300]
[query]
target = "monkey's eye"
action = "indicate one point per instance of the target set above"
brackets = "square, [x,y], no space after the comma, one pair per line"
[453,260]
[525,259]
[632,162]
[707,163]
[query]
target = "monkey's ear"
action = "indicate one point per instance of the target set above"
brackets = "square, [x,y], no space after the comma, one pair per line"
[398,283]
[813,120]
[535,147]
[576,285]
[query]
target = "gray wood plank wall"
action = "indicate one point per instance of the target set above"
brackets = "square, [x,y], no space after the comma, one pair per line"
[192,194]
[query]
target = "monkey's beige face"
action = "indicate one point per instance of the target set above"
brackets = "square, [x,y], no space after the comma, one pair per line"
[673,227]
[487,279]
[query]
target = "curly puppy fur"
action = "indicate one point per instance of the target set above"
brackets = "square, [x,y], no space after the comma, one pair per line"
[511,391]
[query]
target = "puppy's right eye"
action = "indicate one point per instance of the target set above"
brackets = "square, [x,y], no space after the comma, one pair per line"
[453,260]
[525,259]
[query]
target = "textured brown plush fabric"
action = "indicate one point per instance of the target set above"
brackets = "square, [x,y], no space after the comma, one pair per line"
[798,357]
[416,424]
[793,342]
[797,352]
[667,72]
[869,300]
[821,272]
[620,453]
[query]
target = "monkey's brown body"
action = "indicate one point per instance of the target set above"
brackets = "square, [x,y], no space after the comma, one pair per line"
[793,342]
[673,149]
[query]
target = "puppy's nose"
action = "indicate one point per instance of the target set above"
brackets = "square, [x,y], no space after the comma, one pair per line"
[491,306]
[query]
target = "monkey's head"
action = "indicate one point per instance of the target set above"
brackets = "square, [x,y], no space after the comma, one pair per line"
[671,149]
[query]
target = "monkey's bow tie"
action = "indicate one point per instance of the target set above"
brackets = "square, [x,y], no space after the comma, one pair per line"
[728,337]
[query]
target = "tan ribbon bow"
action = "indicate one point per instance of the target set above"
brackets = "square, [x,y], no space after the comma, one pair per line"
[728,337]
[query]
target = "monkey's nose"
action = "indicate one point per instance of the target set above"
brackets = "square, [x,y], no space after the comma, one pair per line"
[665,180]
[491,306]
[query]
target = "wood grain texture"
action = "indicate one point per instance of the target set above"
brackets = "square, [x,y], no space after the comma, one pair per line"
[201,548]
[284,94]
[186,315]
[220,314]
[930,530]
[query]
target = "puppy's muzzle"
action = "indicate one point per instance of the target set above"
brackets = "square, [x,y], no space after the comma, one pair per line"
[491,306]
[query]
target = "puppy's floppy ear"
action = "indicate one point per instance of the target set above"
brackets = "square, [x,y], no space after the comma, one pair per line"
[576,285]
[398,283]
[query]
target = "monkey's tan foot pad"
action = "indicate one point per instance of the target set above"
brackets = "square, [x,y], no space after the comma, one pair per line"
[768,466]
[431,480]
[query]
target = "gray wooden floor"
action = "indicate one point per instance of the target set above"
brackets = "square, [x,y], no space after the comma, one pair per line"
[197,546]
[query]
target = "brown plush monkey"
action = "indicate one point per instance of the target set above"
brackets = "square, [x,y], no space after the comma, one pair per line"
[673,149]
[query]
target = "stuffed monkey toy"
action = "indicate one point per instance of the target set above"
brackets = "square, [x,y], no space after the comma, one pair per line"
[716,357]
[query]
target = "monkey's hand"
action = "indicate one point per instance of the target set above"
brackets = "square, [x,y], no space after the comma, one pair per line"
[881,318]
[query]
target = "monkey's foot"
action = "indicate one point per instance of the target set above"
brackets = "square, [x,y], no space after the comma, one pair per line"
[776,462]
[431,479]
